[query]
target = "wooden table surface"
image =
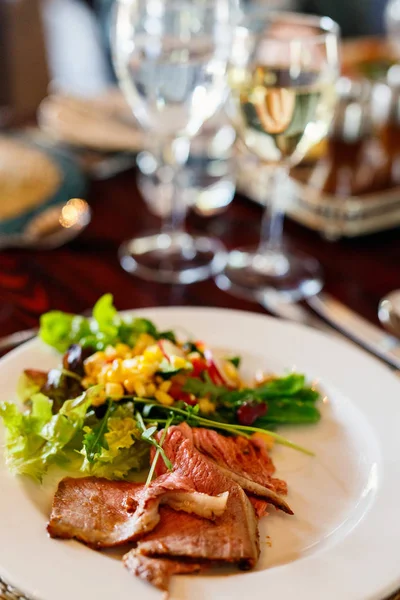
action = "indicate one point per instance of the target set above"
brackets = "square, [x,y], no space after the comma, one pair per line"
[358,271]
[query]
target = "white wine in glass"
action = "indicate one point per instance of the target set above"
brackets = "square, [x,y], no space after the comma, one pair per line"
[283,73]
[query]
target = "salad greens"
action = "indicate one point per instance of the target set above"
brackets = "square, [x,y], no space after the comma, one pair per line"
[74,438]
[288,399]
[113,445]
[38,439]
[62,423]
[60,330]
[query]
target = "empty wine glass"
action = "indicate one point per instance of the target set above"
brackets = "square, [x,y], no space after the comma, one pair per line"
[171,61]
[282,75]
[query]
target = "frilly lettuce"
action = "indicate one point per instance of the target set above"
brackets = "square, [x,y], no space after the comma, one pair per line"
[39,439]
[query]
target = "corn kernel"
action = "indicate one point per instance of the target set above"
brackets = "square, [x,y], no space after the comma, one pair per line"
[150,390]
[129,366]
[114,391]
[206,406]
[140,390]
[103,373]
[231,371]
[178,362]
[114,373]
[99,398]
[143,342]
[153,353]
[129,385]
[147,370]
[163,398]
[110,353]
[122,350]
[94,363]
[165,386]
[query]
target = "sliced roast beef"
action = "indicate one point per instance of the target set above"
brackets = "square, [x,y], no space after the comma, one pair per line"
[93,510]
[245,462]
[232,538]
[180,535]
[158,571]
[177,491]
[105,513]
[248,463]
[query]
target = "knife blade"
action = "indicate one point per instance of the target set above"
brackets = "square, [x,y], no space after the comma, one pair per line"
[352,325]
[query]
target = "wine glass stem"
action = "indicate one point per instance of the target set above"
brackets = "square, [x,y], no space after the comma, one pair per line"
[272,222]
[171,164]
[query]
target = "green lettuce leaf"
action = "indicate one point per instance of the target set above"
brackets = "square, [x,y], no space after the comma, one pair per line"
[60,330]
[107,320]
[37,439]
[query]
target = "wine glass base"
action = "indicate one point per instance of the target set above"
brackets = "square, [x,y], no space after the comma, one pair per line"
[282,276]
[173,257]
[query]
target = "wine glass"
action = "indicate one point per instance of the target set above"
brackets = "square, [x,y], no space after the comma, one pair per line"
[171,61]
[282,75]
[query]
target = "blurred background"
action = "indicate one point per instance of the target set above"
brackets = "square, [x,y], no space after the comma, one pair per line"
[58,91]
[65,44]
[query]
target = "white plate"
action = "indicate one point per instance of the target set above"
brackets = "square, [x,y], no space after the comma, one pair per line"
[342,543]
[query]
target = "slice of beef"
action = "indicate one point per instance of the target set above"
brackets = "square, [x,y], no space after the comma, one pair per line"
[248,463]
[176,491]
[180,535]
[93,510]
[232,538]
[158,571]
[105,513]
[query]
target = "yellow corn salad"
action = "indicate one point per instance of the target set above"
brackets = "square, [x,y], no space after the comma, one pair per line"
[122,370]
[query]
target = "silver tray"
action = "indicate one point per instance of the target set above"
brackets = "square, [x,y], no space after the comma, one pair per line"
[333,217]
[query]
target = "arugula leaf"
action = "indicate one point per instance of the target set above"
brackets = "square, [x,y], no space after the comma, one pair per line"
[231,428]
[308,395]
[204,388]
[112,448]
[283,386]
[167,335]
[159,450]
[93,440]
[288,401]
[289,412]
[150,439]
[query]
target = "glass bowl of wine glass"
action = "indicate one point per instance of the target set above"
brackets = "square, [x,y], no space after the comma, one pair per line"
[283,71]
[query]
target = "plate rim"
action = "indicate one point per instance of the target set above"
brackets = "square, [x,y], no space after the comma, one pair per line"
[192,310]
